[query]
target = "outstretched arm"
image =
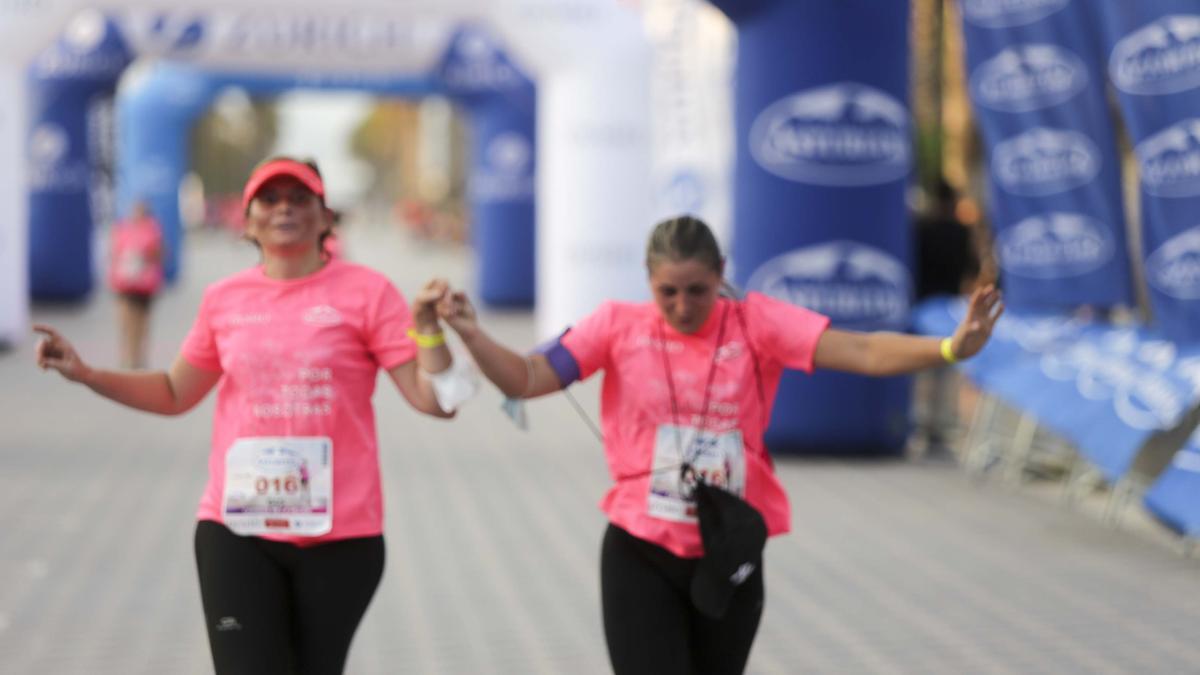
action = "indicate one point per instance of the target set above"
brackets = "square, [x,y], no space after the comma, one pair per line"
[516,375]
[884,353]
[169,392]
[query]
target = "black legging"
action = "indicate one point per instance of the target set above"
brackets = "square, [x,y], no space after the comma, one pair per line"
[650,623]
[272,607]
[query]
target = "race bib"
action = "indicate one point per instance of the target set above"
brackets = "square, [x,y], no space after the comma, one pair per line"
[279,485]
[131,265]
[715,458]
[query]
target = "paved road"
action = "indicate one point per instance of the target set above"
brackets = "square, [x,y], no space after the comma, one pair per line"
[493,538]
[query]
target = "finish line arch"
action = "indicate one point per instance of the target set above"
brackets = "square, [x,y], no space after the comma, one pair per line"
[588,57]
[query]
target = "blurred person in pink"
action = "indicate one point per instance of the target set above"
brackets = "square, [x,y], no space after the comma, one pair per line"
[689,382]
[135,274]
[289,546]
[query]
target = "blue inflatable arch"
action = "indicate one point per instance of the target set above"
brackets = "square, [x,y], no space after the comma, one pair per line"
[156,113]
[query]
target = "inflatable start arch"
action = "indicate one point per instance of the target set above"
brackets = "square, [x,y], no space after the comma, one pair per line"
[589,59]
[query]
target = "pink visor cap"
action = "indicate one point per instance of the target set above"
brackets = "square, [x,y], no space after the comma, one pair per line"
[277,168]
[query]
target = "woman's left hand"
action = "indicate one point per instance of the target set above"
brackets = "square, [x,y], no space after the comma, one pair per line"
[983,309]
[425,314]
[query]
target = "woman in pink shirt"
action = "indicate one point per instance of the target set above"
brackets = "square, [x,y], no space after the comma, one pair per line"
[289,544]
[689,381]
[135,273]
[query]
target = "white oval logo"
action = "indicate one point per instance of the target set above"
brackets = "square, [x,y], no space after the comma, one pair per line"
[1141,398]
[1005,13]
[843,134]
[1170,160]
[51,164]
[1174,267]
[509,152]
[1150,402]
[1160,58]
[1045,161]
[506,174]
[48,144]
[1028,77]
[1055,245]
[852,283]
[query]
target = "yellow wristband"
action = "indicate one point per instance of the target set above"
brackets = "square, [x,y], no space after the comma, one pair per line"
[427,340]
[948,351]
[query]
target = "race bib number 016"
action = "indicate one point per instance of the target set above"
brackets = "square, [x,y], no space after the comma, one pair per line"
[279,485]
[715,458]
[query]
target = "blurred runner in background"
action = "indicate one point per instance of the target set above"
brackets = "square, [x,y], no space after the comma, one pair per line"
[135,273]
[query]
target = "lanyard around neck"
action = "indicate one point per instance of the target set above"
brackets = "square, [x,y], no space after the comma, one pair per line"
[712,372]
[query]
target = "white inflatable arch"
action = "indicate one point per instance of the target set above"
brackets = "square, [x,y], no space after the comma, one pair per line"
[613,97]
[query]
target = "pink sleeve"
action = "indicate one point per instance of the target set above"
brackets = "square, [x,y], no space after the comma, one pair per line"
[785,332]
[388,321]
[200,346]
[589,340]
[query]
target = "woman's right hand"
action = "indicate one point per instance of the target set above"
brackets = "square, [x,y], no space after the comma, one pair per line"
[54,351]
[425,305]
[456,310]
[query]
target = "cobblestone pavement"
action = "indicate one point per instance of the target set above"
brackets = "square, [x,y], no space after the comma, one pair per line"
[493,537]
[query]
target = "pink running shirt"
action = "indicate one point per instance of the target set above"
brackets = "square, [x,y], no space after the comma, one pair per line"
[299,357]
[623,339]
[135,264]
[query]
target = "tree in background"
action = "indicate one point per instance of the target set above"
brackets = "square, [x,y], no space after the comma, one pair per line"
[234,135]
[418,152]
[387,140]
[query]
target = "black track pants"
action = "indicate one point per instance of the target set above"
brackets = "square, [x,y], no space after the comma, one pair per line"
[650,623]
[272,607]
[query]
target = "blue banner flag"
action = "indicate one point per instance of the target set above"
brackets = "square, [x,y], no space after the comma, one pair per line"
[1153,61]
[1037,84]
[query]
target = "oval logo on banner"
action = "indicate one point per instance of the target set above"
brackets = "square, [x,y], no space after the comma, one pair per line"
[51,168]
[844,134]
[1055,245]
[47,144]
[1004,13]
[1150,402]
[505,174]
[1170,160]
[851,283]
[1028,77]
[1160,58]
[1174,267]
[510,152]
[1044,161]
[1141,397]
